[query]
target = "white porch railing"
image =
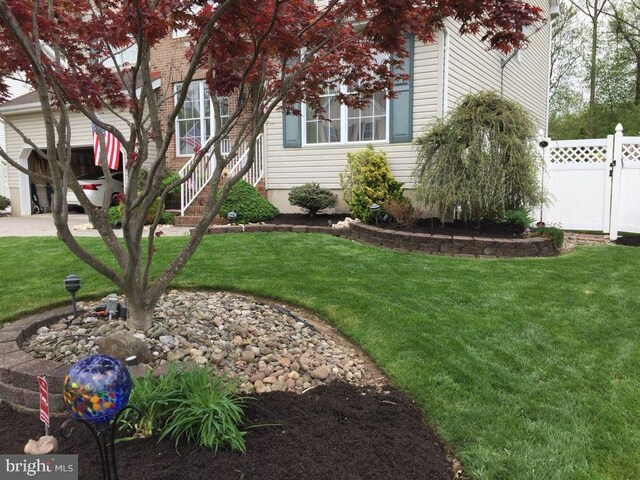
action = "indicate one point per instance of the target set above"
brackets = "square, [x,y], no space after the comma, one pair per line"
[256,172]
[203,172]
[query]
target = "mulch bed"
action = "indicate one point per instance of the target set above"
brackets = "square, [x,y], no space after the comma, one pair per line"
[629,241]
[332,432]
[426,225]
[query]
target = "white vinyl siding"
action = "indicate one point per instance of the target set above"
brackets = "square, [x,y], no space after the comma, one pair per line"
[473,68]
[288,167]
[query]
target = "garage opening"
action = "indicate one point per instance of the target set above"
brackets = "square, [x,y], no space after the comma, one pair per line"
[82,164]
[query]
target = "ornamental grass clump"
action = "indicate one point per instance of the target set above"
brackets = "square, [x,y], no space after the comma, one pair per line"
[193,405]
[368,180]
[481,157]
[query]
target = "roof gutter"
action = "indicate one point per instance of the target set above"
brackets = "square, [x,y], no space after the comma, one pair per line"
[26,108]
[36,107]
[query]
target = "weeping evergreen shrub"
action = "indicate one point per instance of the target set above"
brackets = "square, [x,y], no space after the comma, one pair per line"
[481,157]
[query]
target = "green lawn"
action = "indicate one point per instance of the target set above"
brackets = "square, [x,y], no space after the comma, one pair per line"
[528,368]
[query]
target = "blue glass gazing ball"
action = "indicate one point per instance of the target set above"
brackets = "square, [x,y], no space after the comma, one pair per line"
[96,388]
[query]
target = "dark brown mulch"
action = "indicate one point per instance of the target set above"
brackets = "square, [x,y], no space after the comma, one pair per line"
[320,220]
[335,432]
[629,241]
[458,227]
[427,225]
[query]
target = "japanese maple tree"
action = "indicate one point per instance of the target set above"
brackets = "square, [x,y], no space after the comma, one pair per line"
[261,54]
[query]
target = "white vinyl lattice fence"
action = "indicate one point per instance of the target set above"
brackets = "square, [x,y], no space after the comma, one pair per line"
[593,184]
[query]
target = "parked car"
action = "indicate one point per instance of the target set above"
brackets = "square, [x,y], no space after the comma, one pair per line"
[94,185]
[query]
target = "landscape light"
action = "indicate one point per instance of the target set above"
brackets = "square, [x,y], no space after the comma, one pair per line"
[72,284]
[375,209]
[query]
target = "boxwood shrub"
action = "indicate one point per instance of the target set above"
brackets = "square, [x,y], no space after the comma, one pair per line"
[249,205]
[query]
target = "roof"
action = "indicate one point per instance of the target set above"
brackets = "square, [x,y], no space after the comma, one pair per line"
[29,101]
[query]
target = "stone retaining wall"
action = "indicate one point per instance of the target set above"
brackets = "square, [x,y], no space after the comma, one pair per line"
[417,242]
[19,371]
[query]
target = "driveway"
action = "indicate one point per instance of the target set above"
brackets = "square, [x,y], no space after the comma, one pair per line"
[42,226]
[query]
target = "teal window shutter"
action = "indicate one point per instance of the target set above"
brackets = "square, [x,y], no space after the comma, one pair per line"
[401,115]
[292,129]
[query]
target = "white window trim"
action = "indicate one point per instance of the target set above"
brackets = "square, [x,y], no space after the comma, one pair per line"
[203,123]
[183,33]
[344,128]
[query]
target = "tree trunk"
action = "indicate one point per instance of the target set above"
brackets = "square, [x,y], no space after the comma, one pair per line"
[637,98]
[592,74]
[139,313]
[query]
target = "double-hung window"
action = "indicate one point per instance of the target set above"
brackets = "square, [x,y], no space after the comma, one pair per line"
[195,122]
[380,119]
[343,124]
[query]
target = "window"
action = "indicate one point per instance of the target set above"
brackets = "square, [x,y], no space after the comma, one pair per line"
[126,56]
[195,122]
[325,131]
[345,124]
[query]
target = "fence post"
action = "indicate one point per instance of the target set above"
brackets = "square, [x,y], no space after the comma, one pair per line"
[616,169]
[608,174]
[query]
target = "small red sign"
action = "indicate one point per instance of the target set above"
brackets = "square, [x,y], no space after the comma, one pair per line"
[44,400]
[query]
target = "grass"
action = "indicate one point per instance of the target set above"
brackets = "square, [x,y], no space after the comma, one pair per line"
[528,368]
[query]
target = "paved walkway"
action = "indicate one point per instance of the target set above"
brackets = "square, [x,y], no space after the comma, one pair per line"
[42,226]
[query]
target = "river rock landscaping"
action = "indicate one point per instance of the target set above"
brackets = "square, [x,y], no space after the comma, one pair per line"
[265,346]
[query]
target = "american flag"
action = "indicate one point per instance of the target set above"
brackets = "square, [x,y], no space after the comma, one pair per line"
[111,143]
[191,140]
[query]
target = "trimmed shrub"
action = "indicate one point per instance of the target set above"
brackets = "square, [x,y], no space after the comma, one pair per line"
[481,157]
[519,218]
[247,202]
[312,198]
[115,216]
[4,203]
[368,180]
[402,211]
[167,218]
[555,234]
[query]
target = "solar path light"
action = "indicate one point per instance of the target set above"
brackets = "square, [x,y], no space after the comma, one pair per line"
[72,284]
[375,209]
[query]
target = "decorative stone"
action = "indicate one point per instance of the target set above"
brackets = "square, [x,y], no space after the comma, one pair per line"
[123,346]
[240,337]
[321,372]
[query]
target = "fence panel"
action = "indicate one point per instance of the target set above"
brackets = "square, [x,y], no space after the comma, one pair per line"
[577,184]
[629,206]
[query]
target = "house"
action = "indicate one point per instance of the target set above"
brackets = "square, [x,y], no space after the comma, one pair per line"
[301,149]
[16,89]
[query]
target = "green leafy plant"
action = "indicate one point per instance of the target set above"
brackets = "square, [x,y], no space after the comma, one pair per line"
[368,180]
[155,397]
[402,211]
[481,157]
[4,203]
[249,205]
[115,216]
[555,234]
[207,412]
[167,218]
[312,198]
[519,218]
[192,405]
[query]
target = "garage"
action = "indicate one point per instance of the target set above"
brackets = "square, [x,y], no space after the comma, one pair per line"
[84,168]
[25,114]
